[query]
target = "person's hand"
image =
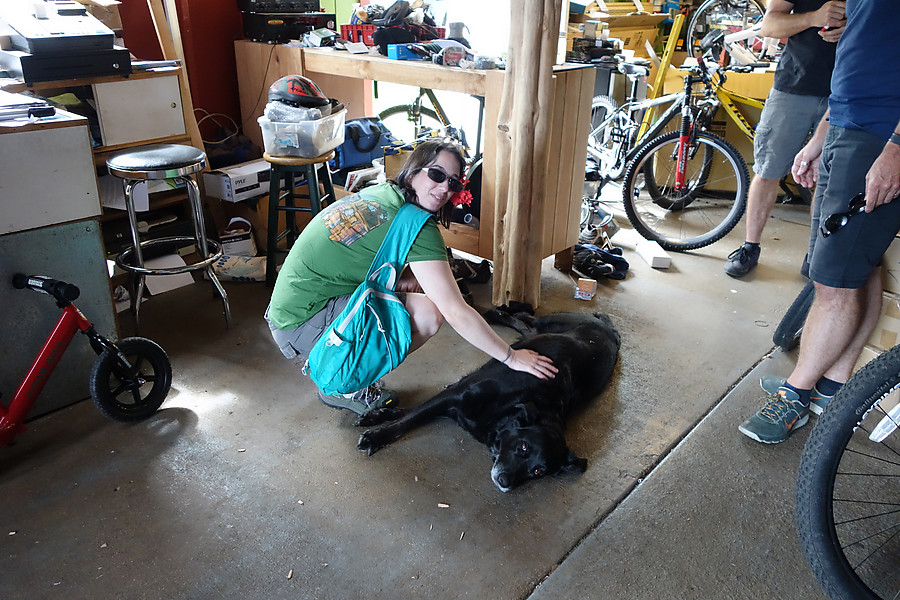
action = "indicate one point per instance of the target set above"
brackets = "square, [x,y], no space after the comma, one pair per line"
[831,15]
[883,178]
[529,361]
[831,35]
[806,166]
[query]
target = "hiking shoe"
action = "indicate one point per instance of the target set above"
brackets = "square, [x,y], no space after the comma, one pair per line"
[742,261]
[817,400]
[782,414]
[361,402]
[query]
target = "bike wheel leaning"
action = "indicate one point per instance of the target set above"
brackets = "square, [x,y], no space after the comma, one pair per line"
[728,16]
[407,124]
[713,199]
[134,392]
[787,334]
[666,196]
[605,142]
[848,486]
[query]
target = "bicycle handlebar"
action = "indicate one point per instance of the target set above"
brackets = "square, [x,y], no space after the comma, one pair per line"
[62,291]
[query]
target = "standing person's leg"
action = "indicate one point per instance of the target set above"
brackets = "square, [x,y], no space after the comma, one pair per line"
[785,125]
[844,267]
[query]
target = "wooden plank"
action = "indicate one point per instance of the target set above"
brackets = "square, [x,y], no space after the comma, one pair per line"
[567,160]
[558,135]
[579,141]
[406,72]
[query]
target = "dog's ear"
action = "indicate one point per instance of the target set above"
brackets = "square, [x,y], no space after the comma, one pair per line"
[526,414]
[574,463]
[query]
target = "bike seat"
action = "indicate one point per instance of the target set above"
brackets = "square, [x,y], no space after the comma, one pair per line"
[633,69]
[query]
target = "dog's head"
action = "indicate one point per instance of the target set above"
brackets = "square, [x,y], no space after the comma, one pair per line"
[526,447]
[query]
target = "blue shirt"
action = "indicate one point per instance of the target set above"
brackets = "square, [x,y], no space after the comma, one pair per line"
[865,85]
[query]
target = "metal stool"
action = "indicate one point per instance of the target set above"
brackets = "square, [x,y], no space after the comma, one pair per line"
[164,161]
[285,167]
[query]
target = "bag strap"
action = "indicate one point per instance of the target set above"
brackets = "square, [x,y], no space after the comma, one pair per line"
[404,228]
[356,132]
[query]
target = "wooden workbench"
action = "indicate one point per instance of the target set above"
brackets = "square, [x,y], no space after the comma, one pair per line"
[348,78]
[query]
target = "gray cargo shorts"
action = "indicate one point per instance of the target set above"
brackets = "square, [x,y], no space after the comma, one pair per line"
[298,342]
[785,125]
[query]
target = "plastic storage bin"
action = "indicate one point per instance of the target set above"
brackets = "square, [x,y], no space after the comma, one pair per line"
[306,139]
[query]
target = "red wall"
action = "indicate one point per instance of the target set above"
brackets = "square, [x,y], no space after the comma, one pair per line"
[208,31]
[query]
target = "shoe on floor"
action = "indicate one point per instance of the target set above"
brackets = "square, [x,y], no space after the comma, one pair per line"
[782,414]
[742,261]
[361,402]
[817,400]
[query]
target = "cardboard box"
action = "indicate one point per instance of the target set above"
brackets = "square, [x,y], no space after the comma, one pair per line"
[237,238]
[891,271]
[867,355]
[887,331]
[585,288]
[238,182]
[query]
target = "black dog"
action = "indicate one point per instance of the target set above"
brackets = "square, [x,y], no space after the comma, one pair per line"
[519,417]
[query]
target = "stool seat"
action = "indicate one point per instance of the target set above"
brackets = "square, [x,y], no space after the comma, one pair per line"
[285,168]
[164,161]
[157,161]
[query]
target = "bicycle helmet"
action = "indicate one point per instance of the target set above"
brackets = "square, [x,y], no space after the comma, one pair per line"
[297,90]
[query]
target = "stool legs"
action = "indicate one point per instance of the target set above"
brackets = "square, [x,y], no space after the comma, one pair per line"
[202,243]
[139,272]
[137,279]
[276,195]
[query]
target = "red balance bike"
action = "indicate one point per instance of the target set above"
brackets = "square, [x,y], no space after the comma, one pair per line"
[128,382]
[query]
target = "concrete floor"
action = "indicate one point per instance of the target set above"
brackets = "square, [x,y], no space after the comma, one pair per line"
[245,486]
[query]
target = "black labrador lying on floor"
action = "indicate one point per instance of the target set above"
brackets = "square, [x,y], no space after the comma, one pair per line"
[519,417]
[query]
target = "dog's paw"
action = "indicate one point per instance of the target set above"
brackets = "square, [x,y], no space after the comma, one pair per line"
[378,416]
[371,441]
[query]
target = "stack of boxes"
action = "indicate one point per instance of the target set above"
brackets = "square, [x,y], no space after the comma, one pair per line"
[590,27]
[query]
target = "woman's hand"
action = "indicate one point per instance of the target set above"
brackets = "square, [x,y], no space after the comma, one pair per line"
[529,361]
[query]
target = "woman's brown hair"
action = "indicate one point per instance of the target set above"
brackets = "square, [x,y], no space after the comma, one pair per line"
[423,155]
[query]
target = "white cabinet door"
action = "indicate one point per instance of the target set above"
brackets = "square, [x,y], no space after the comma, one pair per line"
[133,110]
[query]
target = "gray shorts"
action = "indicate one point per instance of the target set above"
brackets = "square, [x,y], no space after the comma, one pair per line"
[298,342]
[786,123]
[846,258]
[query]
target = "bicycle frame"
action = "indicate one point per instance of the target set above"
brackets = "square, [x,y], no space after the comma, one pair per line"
[442,114]
[729,101]
[70,322]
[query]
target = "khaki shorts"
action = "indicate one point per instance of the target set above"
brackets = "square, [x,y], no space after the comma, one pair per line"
[298,342]
[786,123]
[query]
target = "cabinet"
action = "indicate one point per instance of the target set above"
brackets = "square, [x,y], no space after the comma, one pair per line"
[49,210]
[142,108]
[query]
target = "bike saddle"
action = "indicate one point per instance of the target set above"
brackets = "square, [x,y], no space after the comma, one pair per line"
[633,69]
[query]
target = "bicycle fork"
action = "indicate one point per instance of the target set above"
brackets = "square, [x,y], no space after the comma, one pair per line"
[684,147]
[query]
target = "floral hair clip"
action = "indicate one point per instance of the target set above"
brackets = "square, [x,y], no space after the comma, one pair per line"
[462,197]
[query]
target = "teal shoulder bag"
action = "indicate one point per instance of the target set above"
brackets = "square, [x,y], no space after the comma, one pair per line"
[372,335]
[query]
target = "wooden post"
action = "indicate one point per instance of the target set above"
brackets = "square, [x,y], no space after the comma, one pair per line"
[522,146]
[169,35]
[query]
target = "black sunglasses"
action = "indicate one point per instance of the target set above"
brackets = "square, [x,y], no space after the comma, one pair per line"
[438,176]
[833,223]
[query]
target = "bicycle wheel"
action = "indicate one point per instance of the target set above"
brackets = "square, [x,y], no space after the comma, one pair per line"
[666,196]
[787,334]
[134,393]
[406,124]
[728,16]
[606,144]
[848,486]
[714,196]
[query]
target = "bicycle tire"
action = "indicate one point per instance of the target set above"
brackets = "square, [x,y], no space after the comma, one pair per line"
[847,488]
[714,209]
[605,145]
[721,14]
[408,128]
[787,334]
[122,395]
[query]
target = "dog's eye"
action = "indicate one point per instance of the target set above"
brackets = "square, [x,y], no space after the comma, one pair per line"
[538,471]
[523,449]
